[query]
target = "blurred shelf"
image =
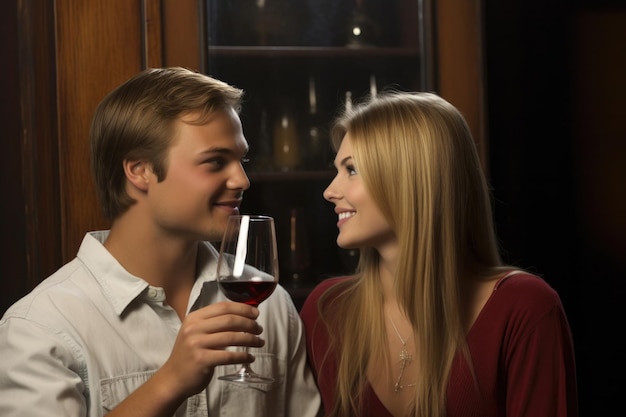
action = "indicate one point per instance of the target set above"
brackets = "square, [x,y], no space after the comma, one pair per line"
[313,51]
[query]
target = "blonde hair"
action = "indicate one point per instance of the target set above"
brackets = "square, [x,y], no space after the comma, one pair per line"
[418,161]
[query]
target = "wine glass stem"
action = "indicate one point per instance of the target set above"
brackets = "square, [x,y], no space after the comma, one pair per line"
[245,371]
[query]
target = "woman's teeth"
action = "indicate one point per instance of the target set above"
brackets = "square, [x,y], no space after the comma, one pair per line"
[346,214]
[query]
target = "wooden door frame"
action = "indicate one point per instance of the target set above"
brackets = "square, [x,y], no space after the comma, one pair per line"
[60,79]
[38,137]
[460,64]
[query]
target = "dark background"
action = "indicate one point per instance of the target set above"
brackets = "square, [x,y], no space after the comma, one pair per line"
[556,91]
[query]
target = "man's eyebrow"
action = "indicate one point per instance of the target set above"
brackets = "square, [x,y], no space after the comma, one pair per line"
[223,150]
[217,150]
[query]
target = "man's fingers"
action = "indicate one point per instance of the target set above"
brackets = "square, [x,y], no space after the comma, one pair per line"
[225,308]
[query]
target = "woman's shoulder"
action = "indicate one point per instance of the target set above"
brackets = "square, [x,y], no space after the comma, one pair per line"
[311,302]
[520,290]
[328,283]
[522,282]
[520,301]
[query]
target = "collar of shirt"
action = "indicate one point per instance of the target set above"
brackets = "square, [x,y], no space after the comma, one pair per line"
[121,288]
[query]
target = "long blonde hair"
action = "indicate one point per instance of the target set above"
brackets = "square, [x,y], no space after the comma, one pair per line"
[418,161]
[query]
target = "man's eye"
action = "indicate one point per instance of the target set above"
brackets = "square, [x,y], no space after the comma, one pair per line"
[215,162]
[245,160]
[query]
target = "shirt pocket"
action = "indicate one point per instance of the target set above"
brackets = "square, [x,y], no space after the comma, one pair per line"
[249,399]
[115,390]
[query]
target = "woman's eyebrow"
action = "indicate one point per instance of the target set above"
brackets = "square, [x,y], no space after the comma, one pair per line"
[345,160]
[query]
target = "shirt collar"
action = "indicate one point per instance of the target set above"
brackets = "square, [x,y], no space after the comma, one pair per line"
[120,287]
[207,272]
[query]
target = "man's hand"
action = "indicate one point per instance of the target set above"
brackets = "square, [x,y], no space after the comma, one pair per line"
[198,349]
[201,341]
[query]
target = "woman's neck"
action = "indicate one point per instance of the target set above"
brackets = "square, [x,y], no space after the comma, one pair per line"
[386,274]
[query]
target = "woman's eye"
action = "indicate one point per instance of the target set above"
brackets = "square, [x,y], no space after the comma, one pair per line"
[351,170]
[245,161]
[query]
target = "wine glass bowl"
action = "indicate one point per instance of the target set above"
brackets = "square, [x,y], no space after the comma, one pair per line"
[248,271]
[251,292]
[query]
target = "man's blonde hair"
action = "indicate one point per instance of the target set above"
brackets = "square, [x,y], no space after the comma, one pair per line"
[135,121]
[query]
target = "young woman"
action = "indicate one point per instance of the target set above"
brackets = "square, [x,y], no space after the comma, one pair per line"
[433,323]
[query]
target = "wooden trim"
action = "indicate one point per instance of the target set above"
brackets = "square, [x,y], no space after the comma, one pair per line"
[152,42]
[460,64]
[13,221]
[36,46]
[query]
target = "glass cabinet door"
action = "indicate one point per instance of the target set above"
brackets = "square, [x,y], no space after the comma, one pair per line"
[299,62]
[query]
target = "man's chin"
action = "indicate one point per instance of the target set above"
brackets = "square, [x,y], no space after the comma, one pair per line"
[212,235]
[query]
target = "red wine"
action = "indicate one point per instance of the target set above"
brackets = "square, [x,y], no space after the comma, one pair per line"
[248,292]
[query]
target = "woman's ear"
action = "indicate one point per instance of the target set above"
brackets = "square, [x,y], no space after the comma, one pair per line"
[137,173]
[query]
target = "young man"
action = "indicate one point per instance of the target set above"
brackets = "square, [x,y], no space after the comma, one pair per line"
[118,330]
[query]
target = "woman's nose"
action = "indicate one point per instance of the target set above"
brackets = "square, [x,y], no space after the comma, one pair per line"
[330,193]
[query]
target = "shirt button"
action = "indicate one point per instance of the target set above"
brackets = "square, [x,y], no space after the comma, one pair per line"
[152,293]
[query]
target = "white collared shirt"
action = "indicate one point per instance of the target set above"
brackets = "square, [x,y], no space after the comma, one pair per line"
[91,333]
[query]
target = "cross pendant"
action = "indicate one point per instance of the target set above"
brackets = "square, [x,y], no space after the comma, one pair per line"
[405,356]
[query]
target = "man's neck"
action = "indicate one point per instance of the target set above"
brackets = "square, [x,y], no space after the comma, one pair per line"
[168,263]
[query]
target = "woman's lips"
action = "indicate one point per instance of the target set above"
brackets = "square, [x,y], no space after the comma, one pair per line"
[344,216]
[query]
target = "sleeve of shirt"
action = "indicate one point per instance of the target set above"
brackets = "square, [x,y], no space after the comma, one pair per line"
[36,375]
[541,370]
[303,398]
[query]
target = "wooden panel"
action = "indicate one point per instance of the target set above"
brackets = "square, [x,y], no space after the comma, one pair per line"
[460,63]
[183,43]
[99,45]
[62,58]
[12,217]
[40,179]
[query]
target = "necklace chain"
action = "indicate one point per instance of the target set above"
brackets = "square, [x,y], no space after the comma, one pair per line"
[405,359]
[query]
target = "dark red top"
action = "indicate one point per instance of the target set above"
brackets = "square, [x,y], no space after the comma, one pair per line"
[521,349]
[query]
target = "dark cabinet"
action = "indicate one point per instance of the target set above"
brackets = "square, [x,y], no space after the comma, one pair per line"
[299,62]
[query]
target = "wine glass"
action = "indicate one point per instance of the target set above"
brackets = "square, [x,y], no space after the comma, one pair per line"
[248,271]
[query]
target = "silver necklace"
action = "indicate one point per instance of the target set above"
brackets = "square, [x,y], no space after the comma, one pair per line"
[405,359]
